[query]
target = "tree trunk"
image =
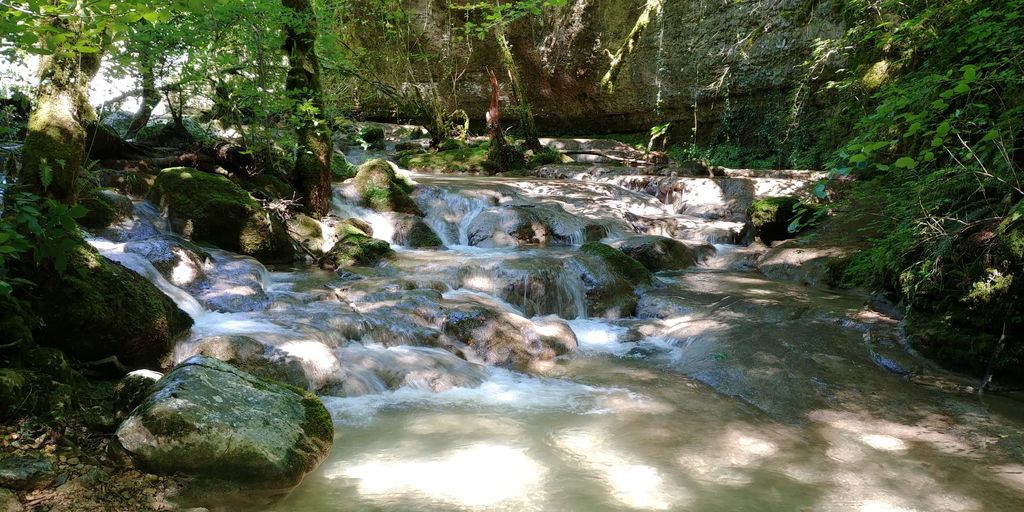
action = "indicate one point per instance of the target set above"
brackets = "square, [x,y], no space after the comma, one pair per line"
[518,92]
[312,174]
[150,99]
[501,155]
[55,146]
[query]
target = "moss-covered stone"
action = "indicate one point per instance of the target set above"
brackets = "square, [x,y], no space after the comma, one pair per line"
[771,217]
[381,189]
[412,231]
[372,135]
[97,309]
[453,157]
[210,208]
[341,170]
[104,207]
[270,186]
[356,249]
[619,261]
[208,419]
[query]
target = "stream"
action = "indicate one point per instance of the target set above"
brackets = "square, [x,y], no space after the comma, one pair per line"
[725,391]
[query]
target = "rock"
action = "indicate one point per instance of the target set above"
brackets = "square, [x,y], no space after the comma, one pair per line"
[104,142]
[105,207]
[353,225]
[412,231]
[76,310]
[26,472]
[269,186]
[181,262]
[251,356]
[619,261]
[497,337]
[356,249]
[505,226]
[379,188]
[771,217]
[306,231]
[662,253]
[796,260]
[9,502]
[132,390]
[372,135]
[608,293]
[205,207]
[129,182]
[210,420]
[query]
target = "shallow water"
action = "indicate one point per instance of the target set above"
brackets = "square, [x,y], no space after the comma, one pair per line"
[727,392]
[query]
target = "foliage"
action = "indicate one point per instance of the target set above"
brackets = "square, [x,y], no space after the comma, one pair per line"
[942,155]
[35,231]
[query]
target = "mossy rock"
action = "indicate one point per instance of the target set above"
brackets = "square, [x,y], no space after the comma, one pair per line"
[453,157]
[306,231]
[98,308]
[381,189]
[16,322]
[412,231]
[352,226]
[771,217]
[209,208]
[356,249]
[372,135]
[210,420]
[130,183]
[270,186]
[341,170]
[658,253]
[104,207]
[619,261]
[546,156]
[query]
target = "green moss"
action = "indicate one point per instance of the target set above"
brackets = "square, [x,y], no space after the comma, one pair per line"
[269,185]
[319,425]
[381,189]
[372,134]
[457,159]
[771,216]
[356,248]
[341,170]
[209,208]
[98,309]
[104,208]
[619,261]
[545,156]
[422,237]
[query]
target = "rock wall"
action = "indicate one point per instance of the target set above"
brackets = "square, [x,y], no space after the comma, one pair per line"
[737,71]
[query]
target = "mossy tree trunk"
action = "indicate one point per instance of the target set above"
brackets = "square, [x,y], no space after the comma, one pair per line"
[501,155]
[518,91]
[55,146]
[312,174]
[651,8]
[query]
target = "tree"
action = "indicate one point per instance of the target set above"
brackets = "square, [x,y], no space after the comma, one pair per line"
[312,173]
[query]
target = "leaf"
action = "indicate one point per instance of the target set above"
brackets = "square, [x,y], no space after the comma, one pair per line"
[962,88]
[992,134]
[906,163]
[858,158]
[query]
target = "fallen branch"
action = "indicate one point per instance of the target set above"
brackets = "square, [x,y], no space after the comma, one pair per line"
[617,58]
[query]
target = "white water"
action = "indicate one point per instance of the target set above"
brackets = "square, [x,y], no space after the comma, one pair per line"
[745,394]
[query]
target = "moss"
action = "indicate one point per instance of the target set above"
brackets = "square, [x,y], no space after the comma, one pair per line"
[210,208]
[104,208]
[356,249]
[319,426]
[876,76]
[341,170]
[269,185]
[619,261]
[771,216]
[421,236]
[98,309]
[306,226]
[545,156]
[16,322]
[372,134]
[381,189]
[459,158]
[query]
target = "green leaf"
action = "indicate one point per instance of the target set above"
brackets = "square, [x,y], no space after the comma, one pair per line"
[906,163]
[962,88]
[992,134]
[858,158]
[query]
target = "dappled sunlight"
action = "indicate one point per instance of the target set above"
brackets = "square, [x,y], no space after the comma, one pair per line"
[632,484]
[478,476]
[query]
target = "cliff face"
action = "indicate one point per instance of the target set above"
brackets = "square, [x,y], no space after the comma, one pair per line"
[736,71]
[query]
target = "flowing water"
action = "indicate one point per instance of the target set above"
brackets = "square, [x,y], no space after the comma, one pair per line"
[727,391]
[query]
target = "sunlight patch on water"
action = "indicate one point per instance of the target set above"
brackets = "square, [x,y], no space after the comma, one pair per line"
[634,485]
[478,476]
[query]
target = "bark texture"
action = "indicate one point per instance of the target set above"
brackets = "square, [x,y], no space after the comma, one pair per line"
[312,174]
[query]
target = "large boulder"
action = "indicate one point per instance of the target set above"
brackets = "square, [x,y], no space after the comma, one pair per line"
[619,261]
[662,253]
[26,472]
[250,355]
[493,336]
[505,226]
[379,188]
[97,309]
[210,420]
[179,261]
[354,247]
[412,231]
[608,293]
[205,207]
[105,207]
